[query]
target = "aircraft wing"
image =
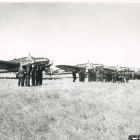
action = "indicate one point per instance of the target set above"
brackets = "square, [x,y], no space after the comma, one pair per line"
[69,68]
[109,69]
[61,73]
[8,64]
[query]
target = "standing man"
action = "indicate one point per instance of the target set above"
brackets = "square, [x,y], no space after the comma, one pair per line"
[83,76]
[127,76]
[37,75]
[98,75]
[40,75]
[33,75]
[114,76]
[80,75]
[21,74]
[74,75]
[89,75]
[28,76]
[93,75]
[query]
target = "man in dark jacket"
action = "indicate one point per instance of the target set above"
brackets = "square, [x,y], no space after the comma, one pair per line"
[89,75]
[40,75]
[74,75]
[93,75]
[28,76]
[37,75]
[33,75]
[80,75]
[83,76]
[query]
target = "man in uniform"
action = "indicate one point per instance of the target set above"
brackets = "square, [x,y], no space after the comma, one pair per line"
[97,74]
[114,76]
[102,74]
[74,75]
[33,75]
[93,73]
[89,75]
[121,76]
[83,76]
[28,76]
[80,75]
[40,75]
[21,73]
[37,75]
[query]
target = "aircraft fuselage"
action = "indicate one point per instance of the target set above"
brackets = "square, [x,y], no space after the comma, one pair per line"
[13,65]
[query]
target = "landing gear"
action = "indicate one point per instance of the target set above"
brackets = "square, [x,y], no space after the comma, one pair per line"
[16,75]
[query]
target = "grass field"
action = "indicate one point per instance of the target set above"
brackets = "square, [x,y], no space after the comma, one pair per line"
[63,110]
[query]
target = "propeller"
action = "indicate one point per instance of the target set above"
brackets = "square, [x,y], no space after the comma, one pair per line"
[51,70]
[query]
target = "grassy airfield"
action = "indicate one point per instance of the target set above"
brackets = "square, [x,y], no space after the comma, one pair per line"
[63,110]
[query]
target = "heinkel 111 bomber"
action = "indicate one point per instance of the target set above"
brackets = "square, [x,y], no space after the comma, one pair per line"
[13,65]
[100,72]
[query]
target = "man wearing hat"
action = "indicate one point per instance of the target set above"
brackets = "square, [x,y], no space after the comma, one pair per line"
[21,74]
[33,75]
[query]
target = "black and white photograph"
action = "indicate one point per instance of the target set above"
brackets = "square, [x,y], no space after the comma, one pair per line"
[69,71]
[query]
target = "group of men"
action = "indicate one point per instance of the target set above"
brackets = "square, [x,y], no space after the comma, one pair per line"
[99,74]
[122,76]
[30,72]
[82,75]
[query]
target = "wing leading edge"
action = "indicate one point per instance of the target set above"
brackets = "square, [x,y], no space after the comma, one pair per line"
[68,68]
[8,66]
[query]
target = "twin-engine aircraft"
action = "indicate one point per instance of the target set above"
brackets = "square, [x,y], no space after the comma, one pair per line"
[86,66]
[106,71]
[13,65]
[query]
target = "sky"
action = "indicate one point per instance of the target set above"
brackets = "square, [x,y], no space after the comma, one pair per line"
[72,33]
